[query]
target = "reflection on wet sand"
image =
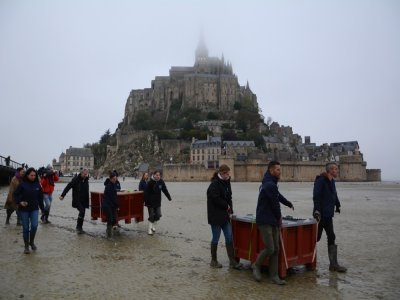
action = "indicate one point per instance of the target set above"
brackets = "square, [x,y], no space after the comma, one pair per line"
[174,263]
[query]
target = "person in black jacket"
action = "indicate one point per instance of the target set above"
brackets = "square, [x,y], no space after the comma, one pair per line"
[29,197]
[110,202]
[143,181]
[152,199]
[80,196]
[269,221]
[219,211]
[325,200]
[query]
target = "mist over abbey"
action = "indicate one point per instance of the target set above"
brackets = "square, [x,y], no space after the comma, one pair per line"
[198,117]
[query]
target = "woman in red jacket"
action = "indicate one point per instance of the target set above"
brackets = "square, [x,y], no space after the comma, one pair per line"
[48,178]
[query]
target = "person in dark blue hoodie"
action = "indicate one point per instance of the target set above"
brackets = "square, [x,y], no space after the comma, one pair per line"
[325,200]
[152,199]
[29,197]
[269,221]
[110,202]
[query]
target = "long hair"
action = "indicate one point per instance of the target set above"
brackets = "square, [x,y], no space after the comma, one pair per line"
[30,170]
[221,169]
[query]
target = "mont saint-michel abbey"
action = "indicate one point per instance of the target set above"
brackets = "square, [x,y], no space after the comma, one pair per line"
[210,85]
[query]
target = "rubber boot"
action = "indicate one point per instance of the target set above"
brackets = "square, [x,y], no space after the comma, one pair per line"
[79,224]
[333,263]
[150,231]
[153,227]
[32,240]
[109,231]
[214,262]
[42,216]
[26,250]
[46,216]
[9,213]
[256,272]
[273,270]
[231,255]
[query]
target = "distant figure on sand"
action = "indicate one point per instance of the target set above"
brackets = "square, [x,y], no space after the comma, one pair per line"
[110,202]
[143,181]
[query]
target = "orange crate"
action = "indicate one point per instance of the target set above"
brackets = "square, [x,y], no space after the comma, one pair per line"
[297,245]
[130,206]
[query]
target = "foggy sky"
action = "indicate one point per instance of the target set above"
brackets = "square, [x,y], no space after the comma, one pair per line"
[329,69]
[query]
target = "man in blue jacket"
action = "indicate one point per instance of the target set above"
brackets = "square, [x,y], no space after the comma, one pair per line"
[325,200]
[269,221]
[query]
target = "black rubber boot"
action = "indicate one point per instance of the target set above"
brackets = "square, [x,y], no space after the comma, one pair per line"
[333,263]
[214,262]
[109,231]
[46,216]
[32,240]
[9,213]
[231,255]
[79,224]
[26,250]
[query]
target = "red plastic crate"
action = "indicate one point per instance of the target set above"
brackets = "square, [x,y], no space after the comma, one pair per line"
[297,245]
[131,206]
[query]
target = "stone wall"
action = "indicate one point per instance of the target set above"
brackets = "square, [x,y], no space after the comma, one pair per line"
[374,175]
[350,169]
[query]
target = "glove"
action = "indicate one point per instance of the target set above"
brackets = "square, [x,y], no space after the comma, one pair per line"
[317,215]
[291,205]
[337,209]
[169,199]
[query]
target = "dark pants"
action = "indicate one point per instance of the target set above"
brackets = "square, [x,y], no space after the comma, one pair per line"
[81,215]
[111,215]
[270,236]
[154,214]
[327,224]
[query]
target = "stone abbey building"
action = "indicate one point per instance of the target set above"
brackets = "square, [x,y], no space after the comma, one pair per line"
[209,85]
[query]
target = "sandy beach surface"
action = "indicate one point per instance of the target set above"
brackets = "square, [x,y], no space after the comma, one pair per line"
[174,263]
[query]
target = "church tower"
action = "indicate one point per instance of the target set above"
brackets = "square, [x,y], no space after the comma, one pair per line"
[201,51]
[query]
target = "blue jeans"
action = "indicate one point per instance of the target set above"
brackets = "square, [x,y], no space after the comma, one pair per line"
[27,217]
[47,198]
[216,233]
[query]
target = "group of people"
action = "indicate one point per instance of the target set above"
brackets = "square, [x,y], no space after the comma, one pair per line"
[269,217]
[27,195]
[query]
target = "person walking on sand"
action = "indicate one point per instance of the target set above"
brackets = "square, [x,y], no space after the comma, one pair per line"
[80,196]
[10,204]
[269,222]
[152,199]
[143,181]
[325,200]
[219,211]
[110,202]
[29,198]
[49,177]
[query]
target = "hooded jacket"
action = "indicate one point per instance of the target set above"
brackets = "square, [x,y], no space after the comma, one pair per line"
[268,205]
[219,200]
[152,193]
[325,196]
[110,198]
[80,191]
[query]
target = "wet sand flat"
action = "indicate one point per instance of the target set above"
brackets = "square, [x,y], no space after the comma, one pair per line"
[174,263]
